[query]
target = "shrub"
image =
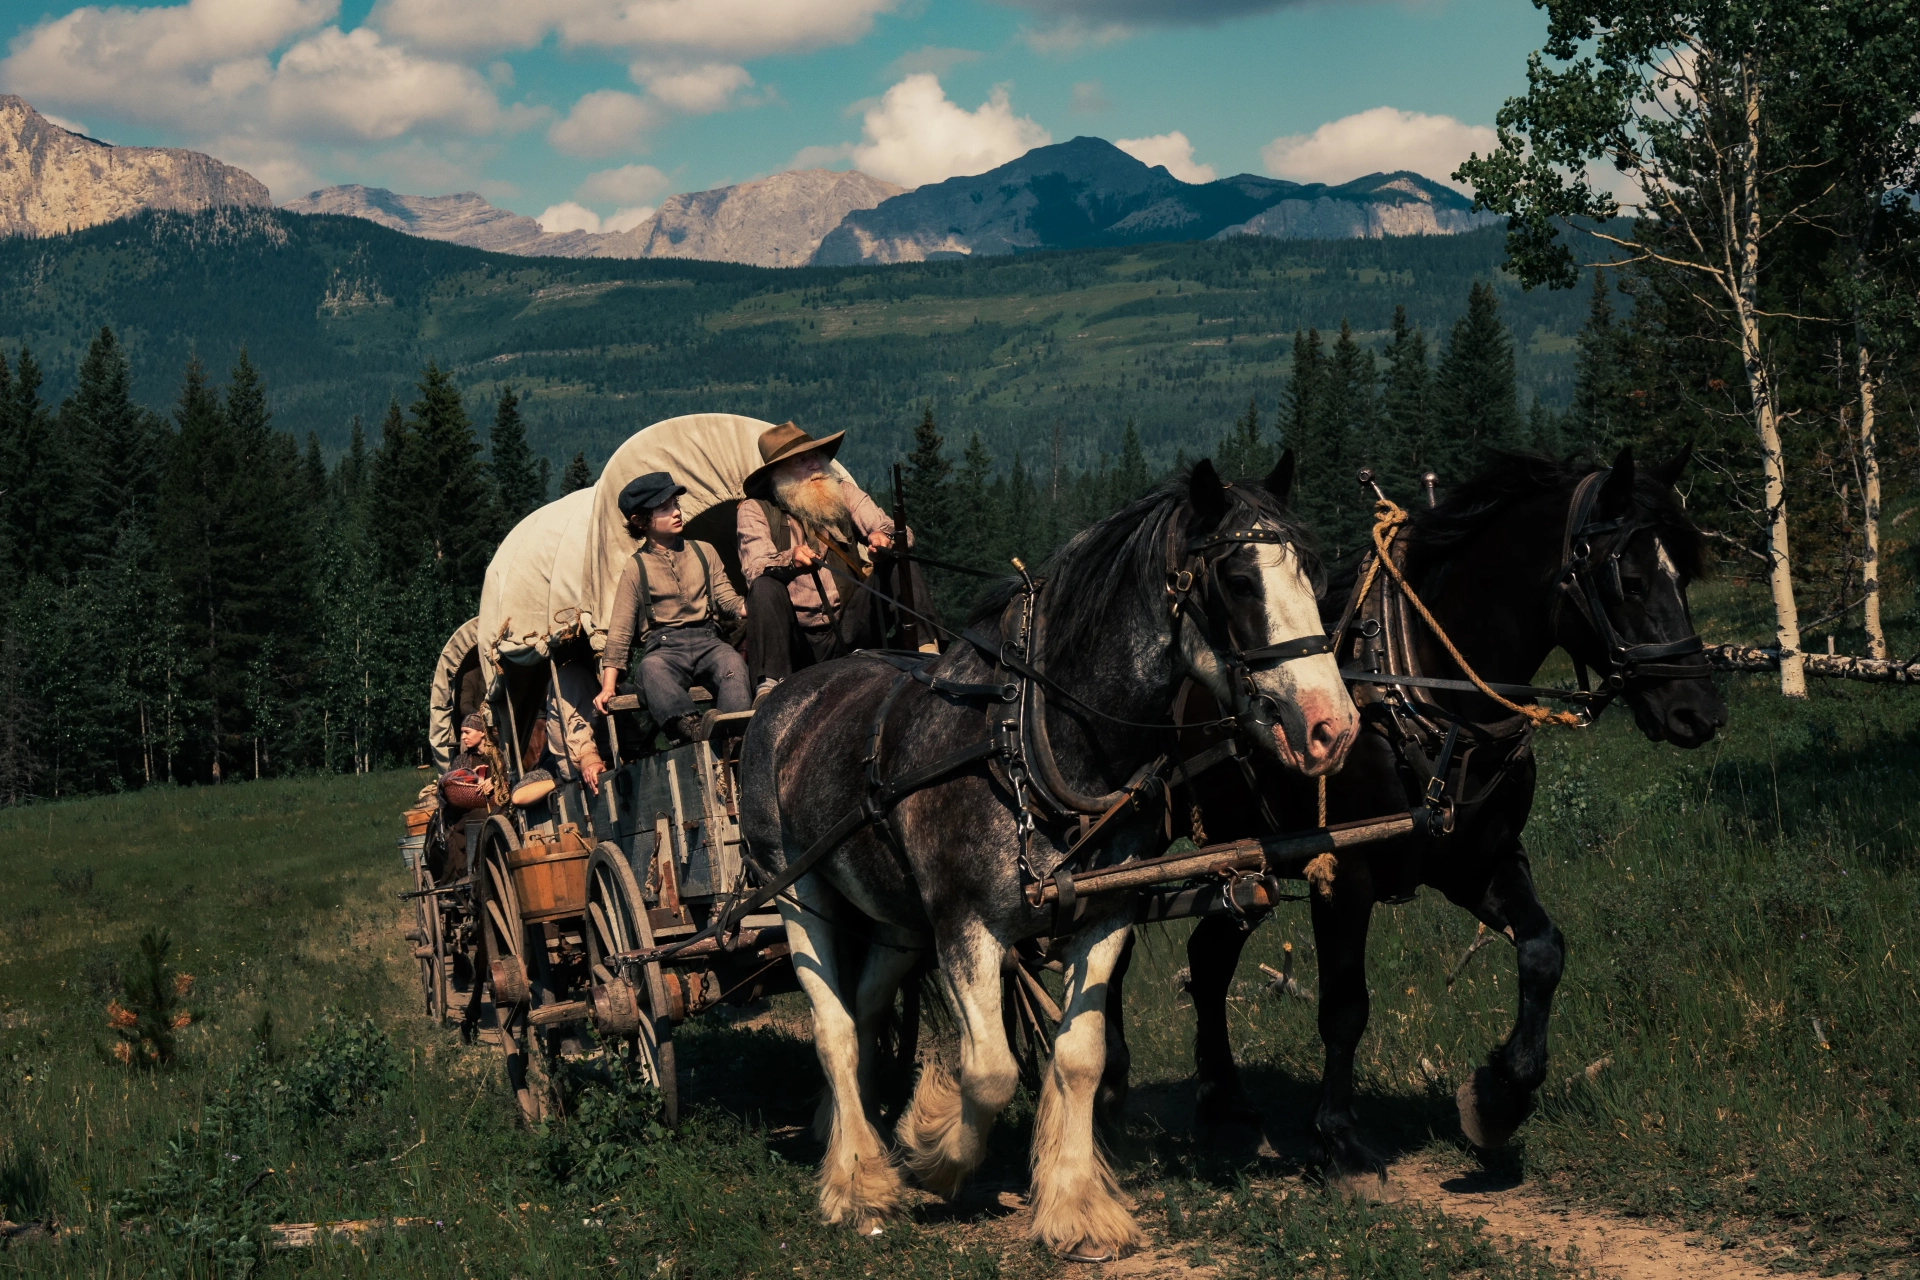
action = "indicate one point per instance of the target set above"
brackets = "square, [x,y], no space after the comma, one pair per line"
[152,1005]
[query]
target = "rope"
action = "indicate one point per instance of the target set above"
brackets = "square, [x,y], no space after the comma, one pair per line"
[1387,520]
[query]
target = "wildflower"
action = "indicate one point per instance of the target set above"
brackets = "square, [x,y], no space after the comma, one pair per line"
[120,1017]
[123,1053]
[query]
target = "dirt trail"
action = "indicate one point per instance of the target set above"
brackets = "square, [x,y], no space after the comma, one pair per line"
[1614,1247]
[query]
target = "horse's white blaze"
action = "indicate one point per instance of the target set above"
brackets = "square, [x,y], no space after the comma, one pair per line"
[1312,685]
[1665,561]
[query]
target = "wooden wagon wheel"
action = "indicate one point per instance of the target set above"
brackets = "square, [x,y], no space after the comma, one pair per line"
[429,939]
[498,906]
[629,1001]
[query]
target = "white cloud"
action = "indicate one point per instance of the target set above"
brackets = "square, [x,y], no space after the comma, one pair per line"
[1378,140]
[255,74]
[695,90]
[630,184]
[627,219]
[728,28]
[1169,149]
[821,157]
[169,61]
[1090,99]
[71,126]
[351,85]
[915,135]
[932,59]
[568,216]
[1071,34]
[603,123]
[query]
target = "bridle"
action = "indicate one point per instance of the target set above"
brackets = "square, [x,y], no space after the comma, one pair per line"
[1591,583]
[1193,590]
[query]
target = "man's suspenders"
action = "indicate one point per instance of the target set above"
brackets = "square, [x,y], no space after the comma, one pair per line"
[646,588]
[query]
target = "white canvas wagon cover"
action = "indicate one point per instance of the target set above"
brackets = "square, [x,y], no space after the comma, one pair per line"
[554,576]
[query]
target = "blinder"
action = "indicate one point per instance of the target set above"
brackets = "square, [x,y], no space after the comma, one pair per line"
[1593,584]
[1193,583]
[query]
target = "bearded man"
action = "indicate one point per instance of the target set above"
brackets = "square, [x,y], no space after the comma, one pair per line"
[807,538]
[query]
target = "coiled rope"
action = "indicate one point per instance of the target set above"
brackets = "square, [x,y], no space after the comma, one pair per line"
[1387,520]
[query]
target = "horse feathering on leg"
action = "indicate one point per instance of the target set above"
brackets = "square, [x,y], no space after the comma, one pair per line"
[1201,581]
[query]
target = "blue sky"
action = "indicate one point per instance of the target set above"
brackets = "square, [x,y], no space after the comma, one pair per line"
[590,111]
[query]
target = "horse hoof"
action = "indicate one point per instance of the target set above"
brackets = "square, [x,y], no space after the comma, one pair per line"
[1477,1122]
[1109,1256]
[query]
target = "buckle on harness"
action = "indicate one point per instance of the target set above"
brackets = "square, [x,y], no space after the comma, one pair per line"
[1180,583]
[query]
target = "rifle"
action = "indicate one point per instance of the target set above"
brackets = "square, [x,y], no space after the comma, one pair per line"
[902,574]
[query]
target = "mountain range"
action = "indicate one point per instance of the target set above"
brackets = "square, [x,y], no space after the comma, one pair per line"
[1082,193]
[1088,192]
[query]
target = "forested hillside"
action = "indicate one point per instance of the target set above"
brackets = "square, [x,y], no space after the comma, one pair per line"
[339,315]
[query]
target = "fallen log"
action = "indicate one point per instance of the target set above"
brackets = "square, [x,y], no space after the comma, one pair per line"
[305,1235]
[1747,657]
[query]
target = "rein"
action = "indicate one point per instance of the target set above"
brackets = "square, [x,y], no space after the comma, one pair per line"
[1019,742]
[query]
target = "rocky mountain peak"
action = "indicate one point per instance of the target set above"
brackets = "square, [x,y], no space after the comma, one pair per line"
[53,180]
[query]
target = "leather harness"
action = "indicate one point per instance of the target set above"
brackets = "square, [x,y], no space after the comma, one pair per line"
[1017,749]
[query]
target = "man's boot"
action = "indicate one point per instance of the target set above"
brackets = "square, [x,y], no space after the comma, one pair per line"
[692,727]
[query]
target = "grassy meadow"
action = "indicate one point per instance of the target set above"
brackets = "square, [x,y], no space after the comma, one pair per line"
[1717,906]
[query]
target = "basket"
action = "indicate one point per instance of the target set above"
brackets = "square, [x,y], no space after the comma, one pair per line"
[411,848]
[550,875]
[465,789]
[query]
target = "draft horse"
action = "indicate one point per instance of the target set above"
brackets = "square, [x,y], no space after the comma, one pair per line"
[1527,556]
[924,800]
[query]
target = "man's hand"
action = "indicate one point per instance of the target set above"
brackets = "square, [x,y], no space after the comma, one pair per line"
[608,678]
[805,557]
[590,770]
[878,541]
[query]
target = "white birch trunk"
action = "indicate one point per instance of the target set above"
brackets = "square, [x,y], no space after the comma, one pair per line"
[1793,678]
[1870,504]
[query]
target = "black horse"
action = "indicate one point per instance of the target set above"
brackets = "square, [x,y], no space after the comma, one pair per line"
[1526,556]
[920,821]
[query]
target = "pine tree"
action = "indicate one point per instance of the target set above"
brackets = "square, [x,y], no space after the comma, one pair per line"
[1406,405]
[1242,453]
[976,517]
[929,479]
[455,502]
[1596,417]
[576,475]
[1348,444]
[314,476]
[516,478]
[115,455]
[1476,393]
[1304,407]
[350,473]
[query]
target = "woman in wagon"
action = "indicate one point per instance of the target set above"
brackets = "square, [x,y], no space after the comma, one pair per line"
[802,530]
[669,598]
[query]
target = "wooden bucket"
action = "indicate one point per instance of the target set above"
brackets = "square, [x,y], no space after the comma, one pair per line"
[550,875]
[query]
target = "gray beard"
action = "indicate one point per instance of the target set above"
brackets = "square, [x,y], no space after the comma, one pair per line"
[816,503]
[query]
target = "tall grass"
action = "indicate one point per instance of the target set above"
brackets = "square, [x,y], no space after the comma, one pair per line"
[1716,905]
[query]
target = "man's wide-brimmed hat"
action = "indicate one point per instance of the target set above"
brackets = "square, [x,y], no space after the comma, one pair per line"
[778,445]
[644,493]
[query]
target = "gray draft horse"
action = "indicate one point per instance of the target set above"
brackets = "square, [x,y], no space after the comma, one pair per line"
[1076,677]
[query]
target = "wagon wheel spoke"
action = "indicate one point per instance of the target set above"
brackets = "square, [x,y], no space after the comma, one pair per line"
[617,922]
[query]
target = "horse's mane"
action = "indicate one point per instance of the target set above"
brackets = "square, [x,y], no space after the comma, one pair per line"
[1123,558]
[1435,534]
